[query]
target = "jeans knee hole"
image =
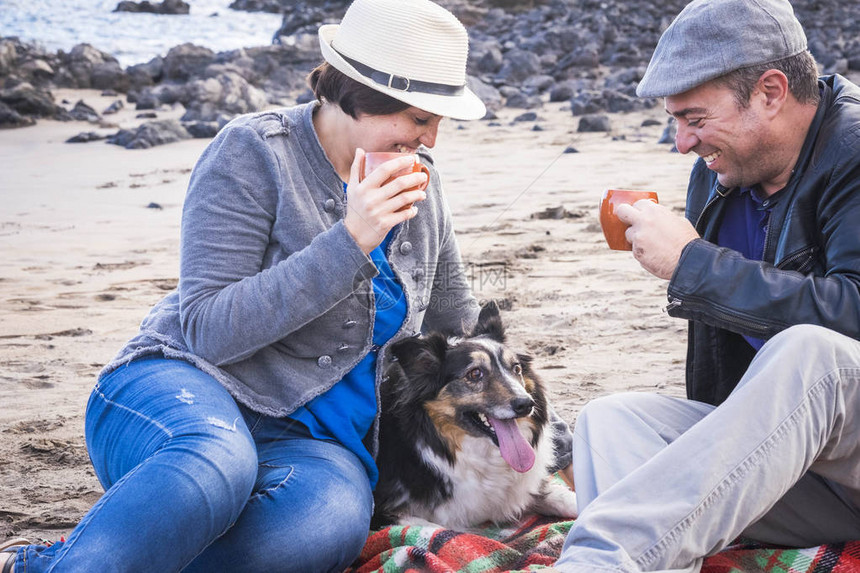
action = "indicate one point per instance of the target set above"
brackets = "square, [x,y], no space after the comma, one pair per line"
[265,487]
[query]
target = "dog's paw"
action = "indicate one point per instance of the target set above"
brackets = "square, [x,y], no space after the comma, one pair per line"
[555,499]
[414,521]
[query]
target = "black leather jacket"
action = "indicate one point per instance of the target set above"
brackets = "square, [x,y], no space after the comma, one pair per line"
[811,268]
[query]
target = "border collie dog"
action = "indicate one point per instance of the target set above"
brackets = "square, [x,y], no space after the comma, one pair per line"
[464,436]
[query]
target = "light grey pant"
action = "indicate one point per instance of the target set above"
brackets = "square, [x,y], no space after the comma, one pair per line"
[662,482]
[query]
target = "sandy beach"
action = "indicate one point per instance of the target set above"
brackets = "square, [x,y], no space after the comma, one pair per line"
[90,235]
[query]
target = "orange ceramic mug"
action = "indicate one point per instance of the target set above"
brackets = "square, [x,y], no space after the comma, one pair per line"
[613,228]
[373,159]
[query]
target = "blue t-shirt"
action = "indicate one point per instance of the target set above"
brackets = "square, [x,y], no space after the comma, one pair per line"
[346,412]
[744,229]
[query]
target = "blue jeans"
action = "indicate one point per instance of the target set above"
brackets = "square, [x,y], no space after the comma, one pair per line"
[662,482]
[196,483]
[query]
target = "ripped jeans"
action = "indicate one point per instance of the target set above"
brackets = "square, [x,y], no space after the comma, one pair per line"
[196,483]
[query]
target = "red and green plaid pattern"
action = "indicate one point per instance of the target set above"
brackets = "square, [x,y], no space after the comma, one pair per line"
[834,558]
[536,543]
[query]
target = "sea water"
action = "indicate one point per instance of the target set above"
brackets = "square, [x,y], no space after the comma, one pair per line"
[134,38]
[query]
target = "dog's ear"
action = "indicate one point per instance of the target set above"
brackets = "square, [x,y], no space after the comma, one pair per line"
[526,364]
[420,353]
[419,360]
[490,322]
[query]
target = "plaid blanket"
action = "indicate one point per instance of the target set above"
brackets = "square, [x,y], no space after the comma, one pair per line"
[537,541]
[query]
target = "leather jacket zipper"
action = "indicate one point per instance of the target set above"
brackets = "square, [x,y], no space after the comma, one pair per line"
[673,304]
[805,253]
[760,329]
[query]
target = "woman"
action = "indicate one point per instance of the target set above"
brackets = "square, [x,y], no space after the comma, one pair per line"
[236,431]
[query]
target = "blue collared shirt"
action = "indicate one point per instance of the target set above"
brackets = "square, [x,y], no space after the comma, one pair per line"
[346,412]
[744,229]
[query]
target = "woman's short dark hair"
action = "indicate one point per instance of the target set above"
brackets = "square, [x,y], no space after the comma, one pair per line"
[800,69]
[354,98]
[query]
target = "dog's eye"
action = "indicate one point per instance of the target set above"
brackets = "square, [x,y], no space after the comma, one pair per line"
[474,375]
[517,368]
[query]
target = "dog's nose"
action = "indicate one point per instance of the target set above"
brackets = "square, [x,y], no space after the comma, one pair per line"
[522,406]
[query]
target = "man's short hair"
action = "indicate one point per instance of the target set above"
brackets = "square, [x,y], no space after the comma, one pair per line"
[354,98]
[800,69]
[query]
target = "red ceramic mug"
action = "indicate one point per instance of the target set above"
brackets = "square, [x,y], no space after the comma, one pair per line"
[373,159]
[613,228]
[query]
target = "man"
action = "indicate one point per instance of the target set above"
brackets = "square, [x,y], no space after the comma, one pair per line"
[769,253]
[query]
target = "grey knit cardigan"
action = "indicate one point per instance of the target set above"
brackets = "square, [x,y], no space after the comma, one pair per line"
[274,297]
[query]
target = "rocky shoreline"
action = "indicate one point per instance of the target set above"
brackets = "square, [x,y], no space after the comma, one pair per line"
[590,53]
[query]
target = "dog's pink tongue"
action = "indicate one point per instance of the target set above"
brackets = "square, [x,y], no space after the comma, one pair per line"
[513,445]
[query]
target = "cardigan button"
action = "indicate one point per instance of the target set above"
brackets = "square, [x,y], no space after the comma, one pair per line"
[329,205]
[405,248]
[343,347]
[324,361]
[349,323]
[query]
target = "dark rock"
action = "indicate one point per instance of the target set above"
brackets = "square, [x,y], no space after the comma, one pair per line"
[114,107]
[520,100]
[122,137]
[27,100]
[668,135]
[38,69]
[86,137]
[302,17]
[587,102]
[528,116]
[163,94]
[594,122]
[150,134]
[491,61]
[9,118]
[202,129]
[166,7]
[228,94]
[561,92]
[553,213]
[537,84]
[518,66]
[619,102]
[88,67]
[587,57]
[150,73]
[186,61]
[147,99]
[83,112]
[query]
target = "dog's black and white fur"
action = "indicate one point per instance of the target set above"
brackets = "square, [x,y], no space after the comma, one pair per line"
[465,433]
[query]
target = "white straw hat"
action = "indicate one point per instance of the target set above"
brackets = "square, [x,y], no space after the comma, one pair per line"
[412,50]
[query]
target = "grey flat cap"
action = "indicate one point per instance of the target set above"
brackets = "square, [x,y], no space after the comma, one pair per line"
[710,38]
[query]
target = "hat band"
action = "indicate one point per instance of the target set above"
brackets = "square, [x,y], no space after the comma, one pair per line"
[402,83]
